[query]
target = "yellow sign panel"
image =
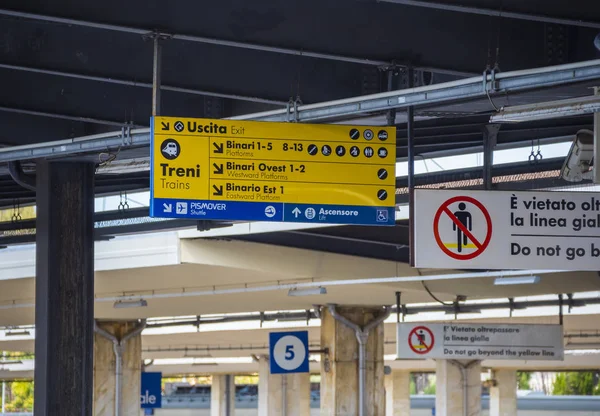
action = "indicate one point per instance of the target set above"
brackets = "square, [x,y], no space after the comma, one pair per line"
[298,192]
[291,171]
[303,151]
[202,159]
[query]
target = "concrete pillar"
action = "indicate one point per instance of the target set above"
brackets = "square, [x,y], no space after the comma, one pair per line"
[339,369]
[64,288]
[503,397]
[397,393]
[104,371]
[271,388]
[222,395]
[450,391]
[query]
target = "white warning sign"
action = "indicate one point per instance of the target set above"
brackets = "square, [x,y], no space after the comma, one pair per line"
[499,230]
[480,341]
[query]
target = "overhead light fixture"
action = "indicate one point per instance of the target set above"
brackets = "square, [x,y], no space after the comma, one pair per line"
[204,364]
[290,319]
[523,280]
[200,355]
[578,164]
[11,362]
[23,333]
[122,304]
[547,110]
[308,292]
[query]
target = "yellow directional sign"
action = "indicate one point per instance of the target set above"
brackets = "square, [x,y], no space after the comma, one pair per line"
[272,163]
[292,171]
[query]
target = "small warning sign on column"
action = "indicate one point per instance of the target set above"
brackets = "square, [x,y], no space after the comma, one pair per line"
[421,340]
[480,341]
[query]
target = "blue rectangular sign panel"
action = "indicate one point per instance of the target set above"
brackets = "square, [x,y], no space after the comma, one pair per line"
[288,352]
[151,396]
[275,212]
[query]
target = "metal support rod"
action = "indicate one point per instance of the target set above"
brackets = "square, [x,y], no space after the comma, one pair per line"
[119,349]
[490,138]
[391,114]
[228,392]
[497,13]
[284,395]
[362,336]
[156,75]
[3,387]
[216,41]
[21,178]
[410,112]
[398,308]
[560,309]
[596,171]
[319,351]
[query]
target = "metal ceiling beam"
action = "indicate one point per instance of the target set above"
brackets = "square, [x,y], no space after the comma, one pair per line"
[64,116]
[457,175]
[450,92]
[496,13]
[473,88]
[219,42]
[405,309]
[129,83]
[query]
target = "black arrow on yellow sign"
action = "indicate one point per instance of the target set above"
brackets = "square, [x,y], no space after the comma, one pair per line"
[218,169]
[218,148]
[218,190]
[165,125]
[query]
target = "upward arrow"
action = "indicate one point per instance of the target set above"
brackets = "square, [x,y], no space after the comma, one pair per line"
[218,169]
[218,190]
[165,125]
[218,147]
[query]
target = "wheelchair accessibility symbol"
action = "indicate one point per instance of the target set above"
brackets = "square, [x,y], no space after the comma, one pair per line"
[382,215]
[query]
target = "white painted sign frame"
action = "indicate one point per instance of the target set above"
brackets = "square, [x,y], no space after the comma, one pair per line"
[527,230]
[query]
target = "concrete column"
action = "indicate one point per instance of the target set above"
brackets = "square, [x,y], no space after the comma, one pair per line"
[339,369]
[397,393]
[279,395]
[222,395]
[503,397]
[64,288]
[450,390]
[104,371]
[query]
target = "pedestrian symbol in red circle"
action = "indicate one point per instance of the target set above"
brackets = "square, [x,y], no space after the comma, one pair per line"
[462,227]
[421,340]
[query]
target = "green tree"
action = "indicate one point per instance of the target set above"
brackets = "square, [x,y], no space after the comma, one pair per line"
[22,392]
[560,385]
[523,379]
[579,383]
[430,389]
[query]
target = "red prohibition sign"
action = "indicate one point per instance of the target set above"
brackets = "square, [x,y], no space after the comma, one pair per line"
[422,347]
[480,246]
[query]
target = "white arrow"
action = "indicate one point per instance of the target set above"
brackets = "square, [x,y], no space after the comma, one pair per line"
[296,212]
[167,207]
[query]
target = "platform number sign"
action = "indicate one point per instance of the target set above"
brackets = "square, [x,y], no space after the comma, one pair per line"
[288,352]
[151,396]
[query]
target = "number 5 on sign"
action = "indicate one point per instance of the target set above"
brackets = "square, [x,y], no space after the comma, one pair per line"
[288,352]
